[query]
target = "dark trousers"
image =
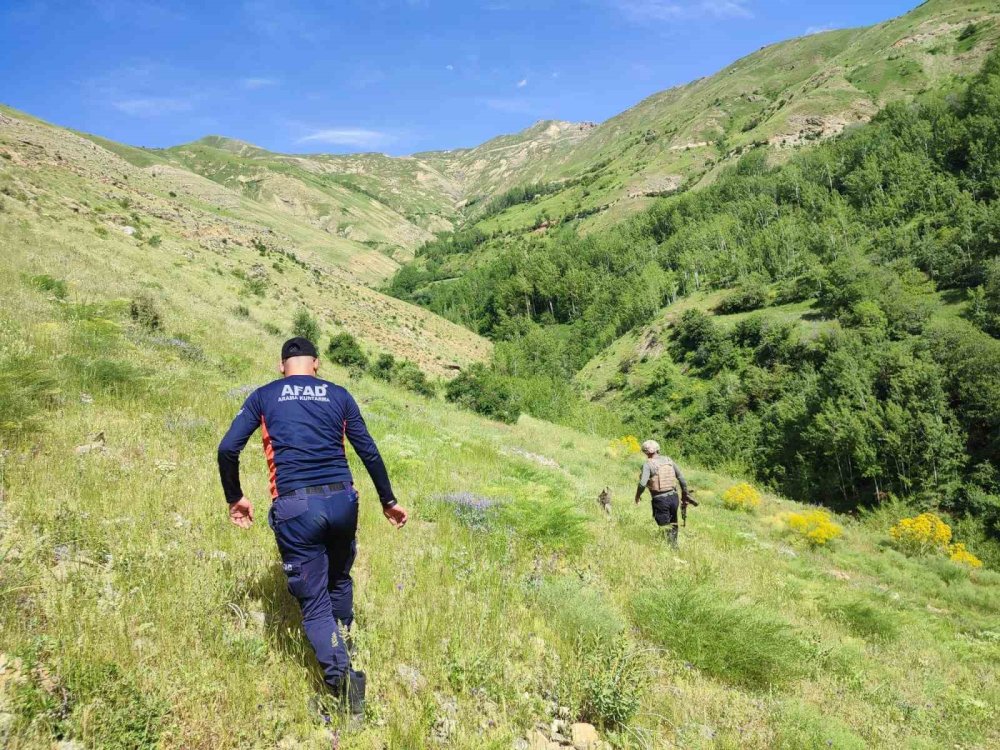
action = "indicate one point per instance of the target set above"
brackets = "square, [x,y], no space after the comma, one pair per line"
[665,508]
[316,539]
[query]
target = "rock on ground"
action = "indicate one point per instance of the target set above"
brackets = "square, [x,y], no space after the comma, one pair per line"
[584,736]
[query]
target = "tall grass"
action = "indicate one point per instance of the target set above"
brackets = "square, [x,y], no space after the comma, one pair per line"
[742,644]
[27,387]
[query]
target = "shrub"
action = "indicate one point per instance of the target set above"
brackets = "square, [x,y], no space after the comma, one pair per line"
[957,553]
[744,645]
[305,325]
[407,375]
[741,496]
[612,682]
[345,350]
[256,286]
[241,311]
[815,527]
[624,446]
[107,374]
[921,535]
[144,312]
[383,366]
[485,392]
[474,511]
[750,295]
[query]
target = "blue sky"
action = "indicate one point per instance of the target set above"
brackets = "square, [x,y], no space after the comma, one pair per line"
[397,76]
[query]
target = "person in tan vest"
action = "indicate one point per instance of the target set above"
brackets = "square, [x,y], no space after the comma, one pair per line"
[662,477]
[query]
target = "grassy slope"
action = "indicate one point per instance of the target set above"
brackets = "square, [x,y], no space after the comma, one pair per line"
[125,558]
[66,192]
[144,620]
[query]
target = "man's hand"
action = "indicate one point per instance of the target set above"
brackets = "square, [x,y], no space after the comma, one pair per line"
[397,515]
[241,513]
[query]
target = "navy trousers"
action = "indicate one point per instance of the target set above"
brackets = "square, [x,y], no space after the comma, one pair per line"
[316,539]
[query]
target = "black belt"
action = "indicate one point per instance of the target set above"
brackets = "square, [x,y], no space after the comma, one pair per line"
[319,489]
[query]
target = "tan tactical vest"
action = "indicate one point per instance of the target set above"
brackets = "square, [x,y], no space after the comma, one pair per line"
[662,477]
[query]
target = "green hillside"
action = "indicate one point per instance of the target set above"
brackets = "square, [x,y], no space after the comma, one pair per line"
[786,96]
[133,615]
[787,272]
[869,367]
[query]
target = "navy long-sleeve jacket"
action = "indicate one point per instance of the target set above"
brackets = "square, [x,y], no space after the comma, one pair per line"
[304,422]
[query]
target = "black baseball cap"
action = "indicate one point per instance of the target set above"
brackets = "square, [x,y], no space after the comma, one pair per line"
[298,347]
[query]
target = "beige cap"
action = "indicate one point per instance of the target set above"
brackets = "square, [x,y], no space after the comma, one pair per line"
[651,446]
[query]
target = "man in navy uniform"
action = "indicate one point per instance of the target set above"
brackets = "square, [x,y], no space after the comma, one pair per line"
[304,422]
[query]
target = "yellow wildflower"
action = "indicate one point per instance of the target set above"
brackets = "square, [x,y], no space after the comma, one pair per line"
[957,553]
[921,535]
[624,446]
[816,527]
[741,497]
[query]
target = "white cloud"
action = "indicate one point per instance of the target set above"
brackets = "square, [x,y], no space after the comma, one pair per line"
[353,137]
[818,29]
[522,83]
[449,67]
[152,106]
[251,84]
[681,10]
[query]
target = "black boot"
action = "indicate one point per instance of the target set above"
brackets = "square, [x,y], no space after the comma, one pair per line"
[354,693]
[672,533]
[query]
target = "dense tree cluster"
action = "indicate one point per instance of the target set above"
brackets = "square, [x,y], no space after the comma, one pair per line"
[890,229]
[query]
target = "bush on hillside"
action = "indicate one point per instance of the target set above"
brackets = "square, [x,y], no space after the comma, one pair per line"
[959,555]
[751,294]
[552,522]
[741,496]
[484,392]
[407,375]
[627,445]
[305,325]
[574,607]
[815,527]
[144,312]
[613,677]
[929,534]
[924,534]
[345,350]
[403,373]
[383,367]
[863,617]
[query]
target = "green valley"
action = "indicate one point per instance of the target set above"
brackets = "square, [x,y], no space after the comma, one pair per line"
[787,272]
